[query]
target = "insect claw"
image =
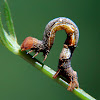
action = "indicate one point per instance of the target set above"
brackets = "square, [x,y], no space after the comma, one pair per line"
[35,54]
[33,57]
[56,74]
[29,51]
[45,58]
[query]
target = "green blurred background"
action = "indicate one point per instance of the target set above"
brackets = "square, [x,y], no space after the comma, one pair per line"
[21,81]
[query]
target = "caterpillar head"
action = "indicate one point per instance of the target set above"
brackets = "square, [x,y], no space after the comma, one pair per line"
[29,43]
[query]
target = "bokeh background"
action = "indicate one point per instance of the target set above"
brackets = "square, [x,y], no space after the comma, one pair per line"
[21,81]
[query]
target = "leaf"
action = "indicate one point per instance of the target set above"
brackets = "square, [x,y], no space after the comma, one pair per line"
[9,20]
[4,37]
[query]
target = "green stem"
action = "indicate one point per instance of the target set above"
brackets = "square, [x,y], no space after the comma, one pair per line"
[49,72]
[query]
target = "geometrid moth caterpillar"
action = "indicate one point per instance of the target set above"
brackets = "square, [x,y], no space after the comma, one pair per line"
[64,66]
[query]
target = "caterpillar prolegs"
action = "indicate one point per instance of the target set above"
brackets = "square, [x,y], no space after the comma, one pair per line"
[64,66]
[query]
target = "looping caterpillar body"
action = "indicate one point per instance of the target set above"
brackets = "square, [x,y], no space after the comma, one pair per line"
[64,66]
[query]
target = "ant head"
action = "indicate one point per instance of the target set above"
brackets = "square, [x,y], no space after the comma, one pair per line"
[29,43]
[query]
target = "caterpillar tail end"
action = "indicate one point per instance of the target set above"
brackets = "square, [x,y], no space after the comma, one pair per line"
[73,85]
[74,81]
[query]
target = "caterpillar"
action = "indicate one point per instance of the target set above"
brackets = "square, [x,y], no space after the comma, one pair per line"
[64,66]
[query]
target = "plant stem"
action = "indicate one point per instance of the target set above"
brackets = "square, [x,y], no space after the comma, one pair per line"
[49,72]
